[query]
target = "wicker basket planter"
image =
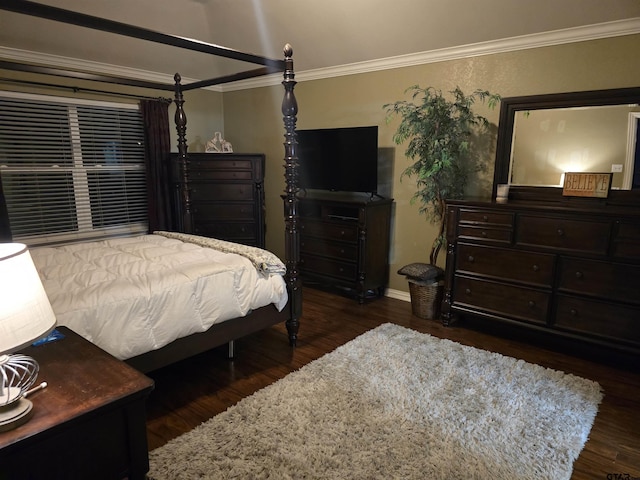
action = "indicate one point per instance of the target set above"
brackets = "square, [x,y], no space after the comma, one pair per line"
[426,299]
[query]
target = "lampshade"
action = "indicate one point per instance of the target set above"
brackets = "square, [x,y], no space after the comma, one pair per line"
[25,315]
[25,312]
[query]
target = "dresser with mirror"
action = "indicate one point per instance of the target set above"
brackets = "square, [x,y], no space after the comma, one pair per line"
[564,266]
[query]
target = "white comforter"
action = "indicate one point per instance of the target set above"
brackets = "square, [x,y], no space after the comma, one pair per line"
[133,295]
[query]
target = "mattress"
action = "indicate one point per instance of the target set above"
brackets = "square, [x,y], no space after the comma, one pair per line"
[137,294]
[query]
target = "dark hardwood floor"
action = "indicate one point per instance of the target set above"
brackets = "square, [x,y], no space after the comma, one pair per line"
[192,391]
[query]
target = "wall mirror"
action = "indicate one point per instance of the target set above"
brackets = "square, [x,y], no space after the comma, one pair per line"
[540,137]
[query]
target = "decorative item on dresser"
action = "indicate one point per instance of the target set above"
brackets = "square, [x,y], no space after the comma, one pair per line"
[345,242]
[566,266]
[227,195]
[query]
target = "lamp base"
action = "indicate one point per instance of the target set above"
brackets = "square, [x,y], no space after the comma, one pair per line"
[15,414]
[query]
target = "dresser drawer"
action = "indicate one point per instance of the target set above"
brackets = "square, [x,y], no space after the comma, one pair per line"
[347,232]
[520,303]
[602,319]
[222,192]
[532,268]
[563,234]
[327,267]
[626,242]
[220,164]
[486,217]
[612,281]
[226,231]
[322,247]
[221,175]
[496,235]
[223,211]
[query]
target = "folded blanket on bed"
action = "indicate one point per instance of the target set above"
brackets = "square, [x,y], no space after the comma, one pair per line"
[264,260]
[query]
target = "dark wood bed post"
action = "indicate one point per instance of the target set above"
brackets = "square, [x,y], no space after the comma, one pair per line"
[185,223]
[292,235]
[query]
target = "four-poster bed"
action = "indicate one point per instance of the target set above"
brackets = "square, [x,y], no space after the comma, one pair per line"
[259,318]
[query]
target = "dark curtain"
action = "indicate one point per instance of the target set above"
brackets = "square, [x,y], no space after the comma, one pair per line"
[155,114]
[5,228]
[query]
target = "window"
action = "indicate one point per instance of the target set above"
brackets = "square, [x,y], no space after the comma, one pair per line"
[71,169]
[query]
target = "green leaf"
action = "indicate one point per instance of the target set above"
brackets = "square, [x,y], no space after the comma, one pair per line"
[438,132]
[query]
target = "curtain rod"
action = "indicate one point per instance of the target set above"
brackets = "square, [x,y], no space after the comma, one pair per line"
[82,89]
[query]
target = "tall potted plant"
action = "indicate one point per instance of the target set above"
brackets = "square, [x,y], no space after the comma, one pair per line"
[438,130]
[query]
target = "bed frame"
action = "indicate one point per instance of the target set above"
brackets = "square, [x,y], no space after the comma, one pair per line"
[228,331]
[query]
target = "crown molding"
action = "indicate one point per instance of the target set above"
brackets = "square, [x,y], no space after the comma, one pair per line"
[68,63]
[618,28]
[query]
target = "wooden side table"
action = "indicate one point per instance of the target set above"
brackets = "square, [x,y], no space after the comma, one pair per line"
[89,422]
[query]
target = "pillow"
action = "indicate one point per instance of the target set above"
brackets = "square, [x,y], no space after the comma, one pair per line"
[421,271]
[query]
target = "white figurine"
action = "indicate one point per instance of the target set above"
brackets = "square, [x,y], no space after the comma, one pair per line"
[226,147]
[215,144]
[218,144]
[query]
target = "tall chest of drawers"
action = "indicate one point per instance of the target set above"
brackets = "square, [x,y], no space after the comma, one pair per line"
[569,272]
[227,196]
[345,243]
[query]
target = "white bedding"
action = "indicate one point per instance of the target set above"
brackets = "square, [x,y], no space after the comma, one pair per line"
[137,294]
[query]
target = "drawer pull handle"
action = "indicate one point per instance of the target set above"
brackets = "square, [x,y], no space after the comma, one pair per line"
[342,233]
[536,268]
[471,259]
[573,312]
[342,250]
[579,275]
[485,218]
[532,304]
[483,233]
[560,232]
[468,291]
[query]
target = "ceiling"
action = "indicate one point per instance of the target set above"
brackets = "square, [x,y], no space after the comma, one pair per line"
[324,34]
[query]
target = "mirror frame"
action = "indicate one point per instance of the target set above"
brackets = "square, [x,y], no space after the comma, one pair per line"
[508,108]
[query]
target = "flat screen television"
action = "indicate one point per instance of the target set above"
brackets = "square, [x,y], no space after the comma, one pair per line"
[339,159]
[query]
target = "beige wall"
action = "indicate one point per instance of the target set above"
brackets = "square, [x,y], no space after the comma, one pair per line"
[253,121]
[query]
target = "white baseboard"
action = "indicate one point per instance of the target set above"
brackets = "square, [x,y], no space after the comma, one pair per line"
[397,294]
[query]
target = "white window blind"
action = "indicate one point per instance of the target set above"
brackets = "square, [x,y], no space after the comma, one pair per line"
[71,169]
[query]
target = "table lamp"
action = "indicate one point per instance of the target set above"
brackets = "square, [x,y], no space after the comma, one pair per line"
[25,316]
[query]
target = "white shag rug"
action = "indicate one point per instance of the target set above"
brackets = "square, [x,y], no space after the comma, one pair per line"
[395,404]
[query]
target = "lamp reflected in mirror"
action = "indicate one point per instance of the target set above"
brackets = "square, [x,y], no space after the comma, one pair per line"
[549,142]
